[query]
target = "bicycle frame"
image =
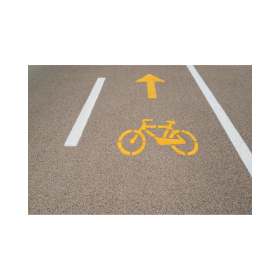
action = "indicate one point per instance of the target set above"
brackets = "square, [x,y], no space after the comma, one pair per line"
[160,140]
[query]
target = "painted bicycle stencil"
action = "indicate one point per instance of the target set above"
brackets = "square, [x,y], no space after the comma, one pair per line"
[172,141]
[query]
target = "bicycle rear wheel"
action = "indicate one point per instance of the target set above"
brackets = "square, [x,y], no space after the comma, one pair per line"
[128,153]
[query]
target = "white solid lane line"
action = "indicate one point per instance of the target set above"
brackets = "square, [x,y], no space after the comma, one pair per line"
[232,133]
[81,121]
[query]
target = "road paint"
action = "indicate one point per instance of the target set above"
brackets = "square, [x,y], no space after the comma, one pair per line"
[136,152]
[160,140]
[151,88]
[81,121]
[240,146]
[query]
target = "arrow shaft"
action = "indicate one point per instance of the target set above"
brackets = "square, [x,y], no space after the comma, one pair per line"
[151,88]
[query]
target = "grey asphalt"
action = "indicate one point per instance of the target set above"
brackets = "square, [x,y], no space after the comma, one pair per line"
[96,178]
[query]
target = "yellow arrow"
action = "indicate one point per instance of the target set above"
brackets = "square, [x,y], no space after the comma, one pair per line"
[150,80]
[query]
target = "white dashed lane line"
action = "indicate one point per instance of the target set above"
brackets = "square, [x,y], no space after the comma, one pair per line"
[81,121]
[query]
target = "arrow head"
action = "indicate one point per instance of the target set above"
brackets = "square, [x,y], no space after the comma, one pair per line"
[149,78]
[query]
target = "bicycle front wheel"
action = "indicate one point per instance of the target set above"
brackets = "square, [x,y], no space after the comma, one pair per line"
[193,151]
[133,153]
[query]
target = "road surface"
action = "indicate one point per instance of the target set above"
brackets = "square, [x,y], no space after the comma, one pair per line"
[104,173]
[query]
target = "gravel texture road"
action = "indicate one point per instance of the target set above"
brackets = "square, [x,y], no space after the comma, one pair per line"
[95,177]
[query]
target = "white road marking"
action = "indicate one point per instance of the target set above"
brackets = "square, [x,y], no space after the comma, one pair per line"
[81,121]
[232,133]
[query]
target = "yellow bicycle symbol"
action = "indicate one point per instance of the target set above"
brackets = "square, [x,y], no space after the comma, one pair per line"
[161,141]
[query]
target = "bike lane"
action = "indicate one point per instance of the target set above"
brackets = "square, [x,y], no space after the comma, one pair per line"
[232,87]
[94,177]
